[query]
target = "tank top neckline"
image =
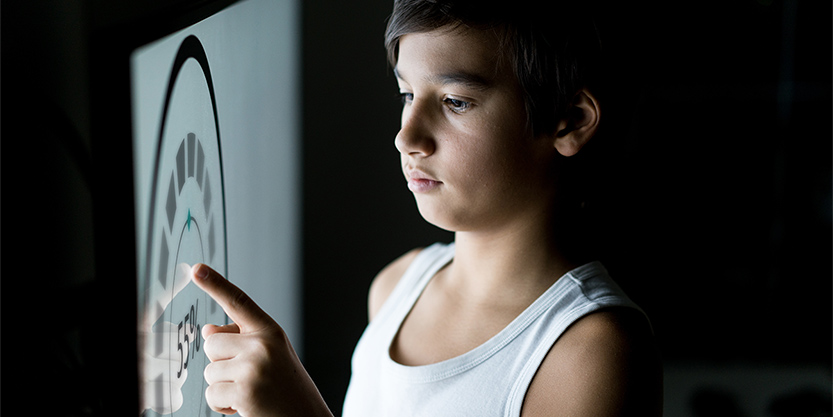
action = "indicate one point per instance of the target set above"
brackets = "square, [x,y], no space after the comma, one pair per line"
[468,360]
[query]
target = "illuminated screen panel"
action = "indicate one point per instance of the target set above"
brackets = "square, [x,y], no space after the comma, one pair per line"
[215,151]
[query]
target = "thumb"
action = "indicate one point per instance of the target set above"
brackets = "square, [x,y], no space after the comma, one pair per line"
[238,306]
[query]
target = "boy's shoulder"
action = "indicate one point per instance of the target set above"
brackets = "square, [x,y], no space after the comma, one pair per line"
[604,364]
[386,281]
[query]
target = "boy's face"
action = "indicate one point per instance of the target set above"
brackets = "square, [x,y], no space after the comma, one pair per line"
[464,144]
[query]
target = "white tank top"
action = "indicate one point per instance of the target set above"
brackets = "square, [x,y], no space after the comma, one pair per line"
[490,380]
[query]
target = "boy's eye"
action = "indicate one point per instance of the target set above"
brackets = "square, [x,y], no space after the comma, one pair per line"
[456,105]
[406,97]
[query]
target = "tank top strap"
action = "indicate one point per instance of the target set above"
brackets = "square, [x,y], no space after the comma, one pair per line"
[416,277]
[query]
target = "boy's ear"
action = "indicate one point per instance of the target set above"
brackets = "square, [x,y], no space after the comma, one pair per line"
[580,124]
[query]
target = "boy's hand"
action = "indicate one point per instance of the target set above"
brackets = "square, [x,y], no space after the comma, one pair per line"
[254,370]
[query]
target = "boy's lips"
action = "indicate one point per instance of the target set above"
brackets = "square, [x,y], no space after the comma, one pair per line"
[420,182]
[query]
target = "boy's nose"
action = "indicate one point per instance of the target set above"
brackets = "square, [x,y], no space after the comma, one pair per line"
[414,137]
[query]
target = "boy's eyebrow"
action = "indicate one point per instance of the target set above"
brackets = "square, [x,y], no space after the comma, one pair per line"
[467,79]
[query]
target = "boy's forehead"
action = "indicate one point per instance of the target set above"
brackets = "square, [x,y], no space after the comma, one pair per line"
[470,56]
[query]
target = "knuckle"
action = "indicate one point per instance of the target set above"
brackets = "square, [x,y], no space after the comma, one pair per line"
[219,398]
[260,348]
[240,301]
[211,395]
[208,346]
[250,371]
[269,351]
[280,336]
[208,373]
[247,390]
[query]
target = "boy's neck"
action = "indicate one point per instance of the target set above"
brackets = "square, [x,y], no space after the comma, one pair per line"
[514,263]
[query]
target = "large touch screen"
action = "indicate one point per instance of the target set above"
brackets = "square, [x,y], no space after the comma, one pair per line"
[186,225]
[215,141]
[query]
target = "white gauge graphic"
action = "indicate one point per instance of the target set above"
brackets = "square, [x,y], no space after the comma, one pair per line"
[186,225]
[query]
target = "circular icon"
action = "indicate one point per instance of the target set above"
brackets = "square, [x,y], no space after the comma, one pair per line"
[187,225]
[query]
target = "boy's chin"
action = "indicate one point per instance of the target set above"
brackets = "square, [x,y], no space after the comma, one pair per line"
[443,218]
[435,217]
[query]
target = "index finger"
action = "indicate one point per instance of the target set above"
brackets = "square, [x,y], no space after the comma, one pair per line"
[239,306]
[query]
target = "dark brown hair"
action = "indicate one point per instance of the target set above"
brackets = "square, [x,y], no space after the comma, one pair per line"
[553,46]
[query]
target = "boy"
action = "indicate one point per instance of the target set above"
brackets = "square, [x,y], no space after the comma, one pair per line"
[511,319]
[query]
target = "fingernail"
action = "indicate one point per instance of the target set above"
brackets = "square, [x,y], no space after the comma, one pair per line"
[200,271]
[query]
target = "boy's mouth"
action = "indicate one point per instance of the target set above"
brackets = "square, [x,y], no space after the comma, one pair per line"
[420,182]
[422,186]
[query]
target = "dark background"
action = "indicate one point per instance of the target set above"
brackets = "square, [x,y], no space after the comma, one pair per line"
[718,220]
[717,216]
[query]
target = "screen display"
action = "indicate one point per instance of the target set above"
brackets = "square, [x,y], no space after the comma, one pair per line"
[186,225]
[209,116]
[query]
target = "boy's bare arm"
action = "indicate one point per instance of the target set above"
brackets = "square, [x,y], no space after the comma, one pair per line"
[386,281]
[605,364]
